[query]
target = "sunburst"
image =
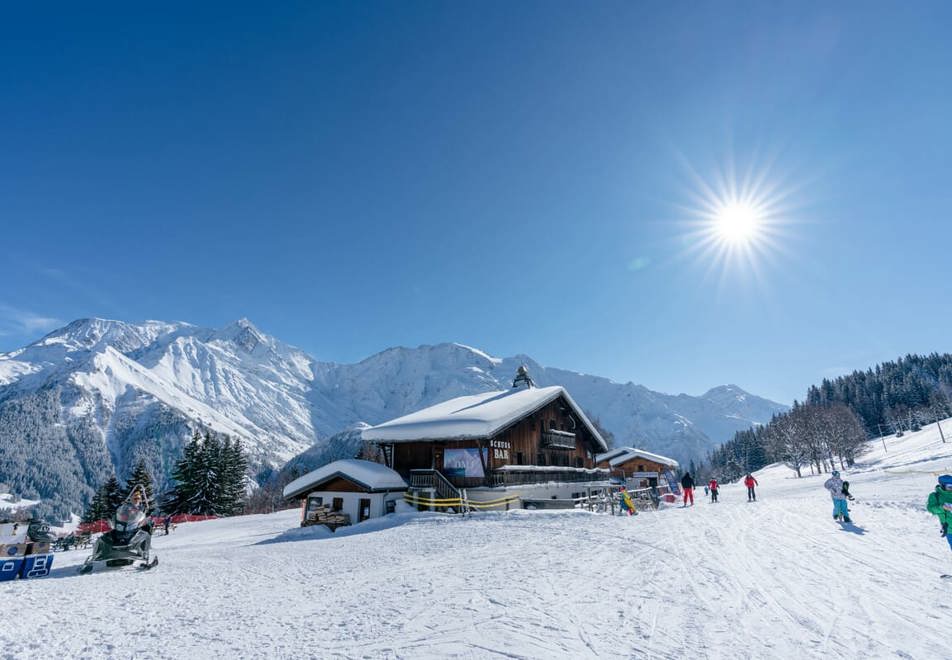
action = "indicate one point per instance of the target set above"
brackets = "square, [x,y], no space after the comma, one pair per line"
[737,224]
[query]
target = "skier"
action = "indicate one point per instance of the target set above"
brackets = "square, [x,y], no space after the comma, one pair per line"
[940,504]
[626,504]
[712,486]
[835,485]
[687,485]
[750,482]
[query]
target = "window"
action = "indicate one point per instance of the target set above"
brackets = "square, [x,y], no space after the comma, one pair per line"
[338,504]
[641,468]
[540,458]
[579,462]
[519,458]
[390,506]
[552,424]
[314,502]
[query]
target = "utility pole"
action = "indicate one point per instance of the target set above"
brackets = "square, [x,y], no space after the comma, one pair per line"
[938,425]
[882,438]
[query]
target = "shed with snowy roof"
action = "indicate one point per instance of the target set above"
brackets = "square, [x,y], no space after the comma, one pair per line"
[514,438]
[637,467]
[346,491]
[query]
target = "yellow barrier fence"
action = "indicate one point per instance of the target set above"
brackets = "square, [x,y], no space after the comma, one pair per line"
[461,503]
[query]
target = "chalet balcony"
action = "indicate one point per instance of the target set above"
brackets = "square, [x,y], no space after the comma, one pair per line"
[555,439]
[521,475]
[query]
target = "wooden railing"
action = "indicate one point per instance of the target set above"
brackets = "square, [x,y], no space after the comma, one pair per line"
[517,478]
[433,479]
[558,439]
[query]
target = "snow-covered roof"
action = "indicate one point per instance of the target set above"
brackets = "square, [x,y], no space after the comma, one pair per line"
[373,476]
[474,416]
[620,455]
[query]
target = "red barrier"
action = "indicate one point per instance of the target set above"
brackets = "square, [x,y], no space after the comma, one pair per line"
[180,518]
[95,527]
[101,526]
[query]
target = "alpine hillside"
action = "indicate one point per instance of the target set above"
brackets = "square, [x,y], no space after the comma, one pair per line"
[95,396]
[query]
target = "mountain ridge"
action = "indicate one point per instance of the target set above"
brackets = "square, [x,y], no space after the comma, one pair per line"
[117,391]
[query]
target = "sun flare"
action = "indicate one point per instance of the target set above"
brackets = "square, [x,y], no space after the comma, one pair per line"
[737,222]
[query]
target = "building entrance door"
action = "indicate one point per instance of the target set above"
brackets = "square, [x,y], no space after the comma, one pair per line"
[364,510]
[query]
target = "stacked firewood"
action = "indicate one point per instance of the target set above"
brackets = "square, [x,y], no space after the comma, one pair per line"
[322,515]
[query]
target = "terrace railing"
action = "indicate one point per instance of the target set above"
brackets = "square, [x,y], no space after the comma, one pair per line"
[558,439]
[521,478]
[433,480]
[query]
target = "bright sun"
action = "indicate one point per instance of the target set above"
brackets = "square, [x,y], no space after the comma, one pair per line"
[737,222]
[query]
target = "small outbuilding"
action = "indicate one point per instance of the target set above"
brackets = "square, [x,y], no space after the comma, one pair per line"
[346,492]
[636,467]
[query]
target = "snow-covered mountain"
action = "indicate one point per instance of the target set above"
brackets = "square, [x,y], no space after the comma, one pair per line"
[97,395]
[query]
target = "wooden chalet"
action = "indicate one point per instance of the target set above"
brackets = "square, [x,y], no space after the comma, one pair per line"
[636,467]
[526,438]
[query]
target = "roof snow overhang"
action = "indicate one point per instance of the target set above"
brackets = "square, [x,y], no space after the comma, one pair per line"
[446,421]
[315,479]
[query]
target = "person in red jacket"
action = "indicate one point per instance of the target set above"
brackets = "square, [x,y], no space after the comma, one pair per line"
[712,486]
[750,482]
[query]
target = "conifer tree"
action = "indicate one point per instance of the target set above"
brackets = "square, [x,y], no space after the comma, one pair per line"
[209,478]
[184,475]
[96,509]
[113,495]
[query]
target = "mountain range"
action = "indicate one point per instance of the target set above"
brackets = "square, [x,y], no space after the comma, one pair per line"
[94,397]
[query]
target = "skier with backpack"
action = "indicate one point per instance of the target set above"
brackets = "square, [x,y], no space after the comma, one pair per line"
[750,482]
[835,487]
[712,486]
[939,504]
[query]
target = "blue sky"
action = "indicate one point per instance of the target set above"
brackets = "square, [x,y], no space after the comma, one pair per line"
[514,176]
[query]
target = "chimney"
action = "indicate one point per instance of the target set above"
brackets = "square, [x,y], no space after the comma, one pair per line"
[522,377]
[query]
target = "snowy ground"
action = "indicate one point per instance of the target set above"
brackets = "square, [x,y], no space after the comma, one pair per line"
[777,578]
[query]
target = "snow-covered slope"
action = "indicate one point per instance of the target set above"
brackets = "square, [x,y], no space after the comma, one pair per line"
[104,393]
[773,579]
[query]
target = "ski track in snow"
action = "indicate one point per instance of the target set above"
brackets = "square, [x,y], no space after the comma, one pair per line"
[776,578]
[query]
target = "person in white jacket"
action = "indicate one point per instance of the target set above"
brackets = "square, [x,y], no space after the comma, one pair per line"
[835,485]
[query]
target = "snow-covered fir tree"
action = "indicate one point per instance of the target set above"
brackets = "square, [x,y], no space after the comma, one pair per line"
[209,478]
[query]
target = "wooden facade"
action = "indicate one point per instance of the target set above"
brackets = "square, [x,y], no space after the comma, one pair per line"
[552,436]
[634,465]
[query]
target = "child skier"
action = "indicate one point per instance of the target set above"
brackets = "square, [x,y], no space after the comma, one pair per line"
[940,504]
[835,486]
[626,502]
[712,486]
